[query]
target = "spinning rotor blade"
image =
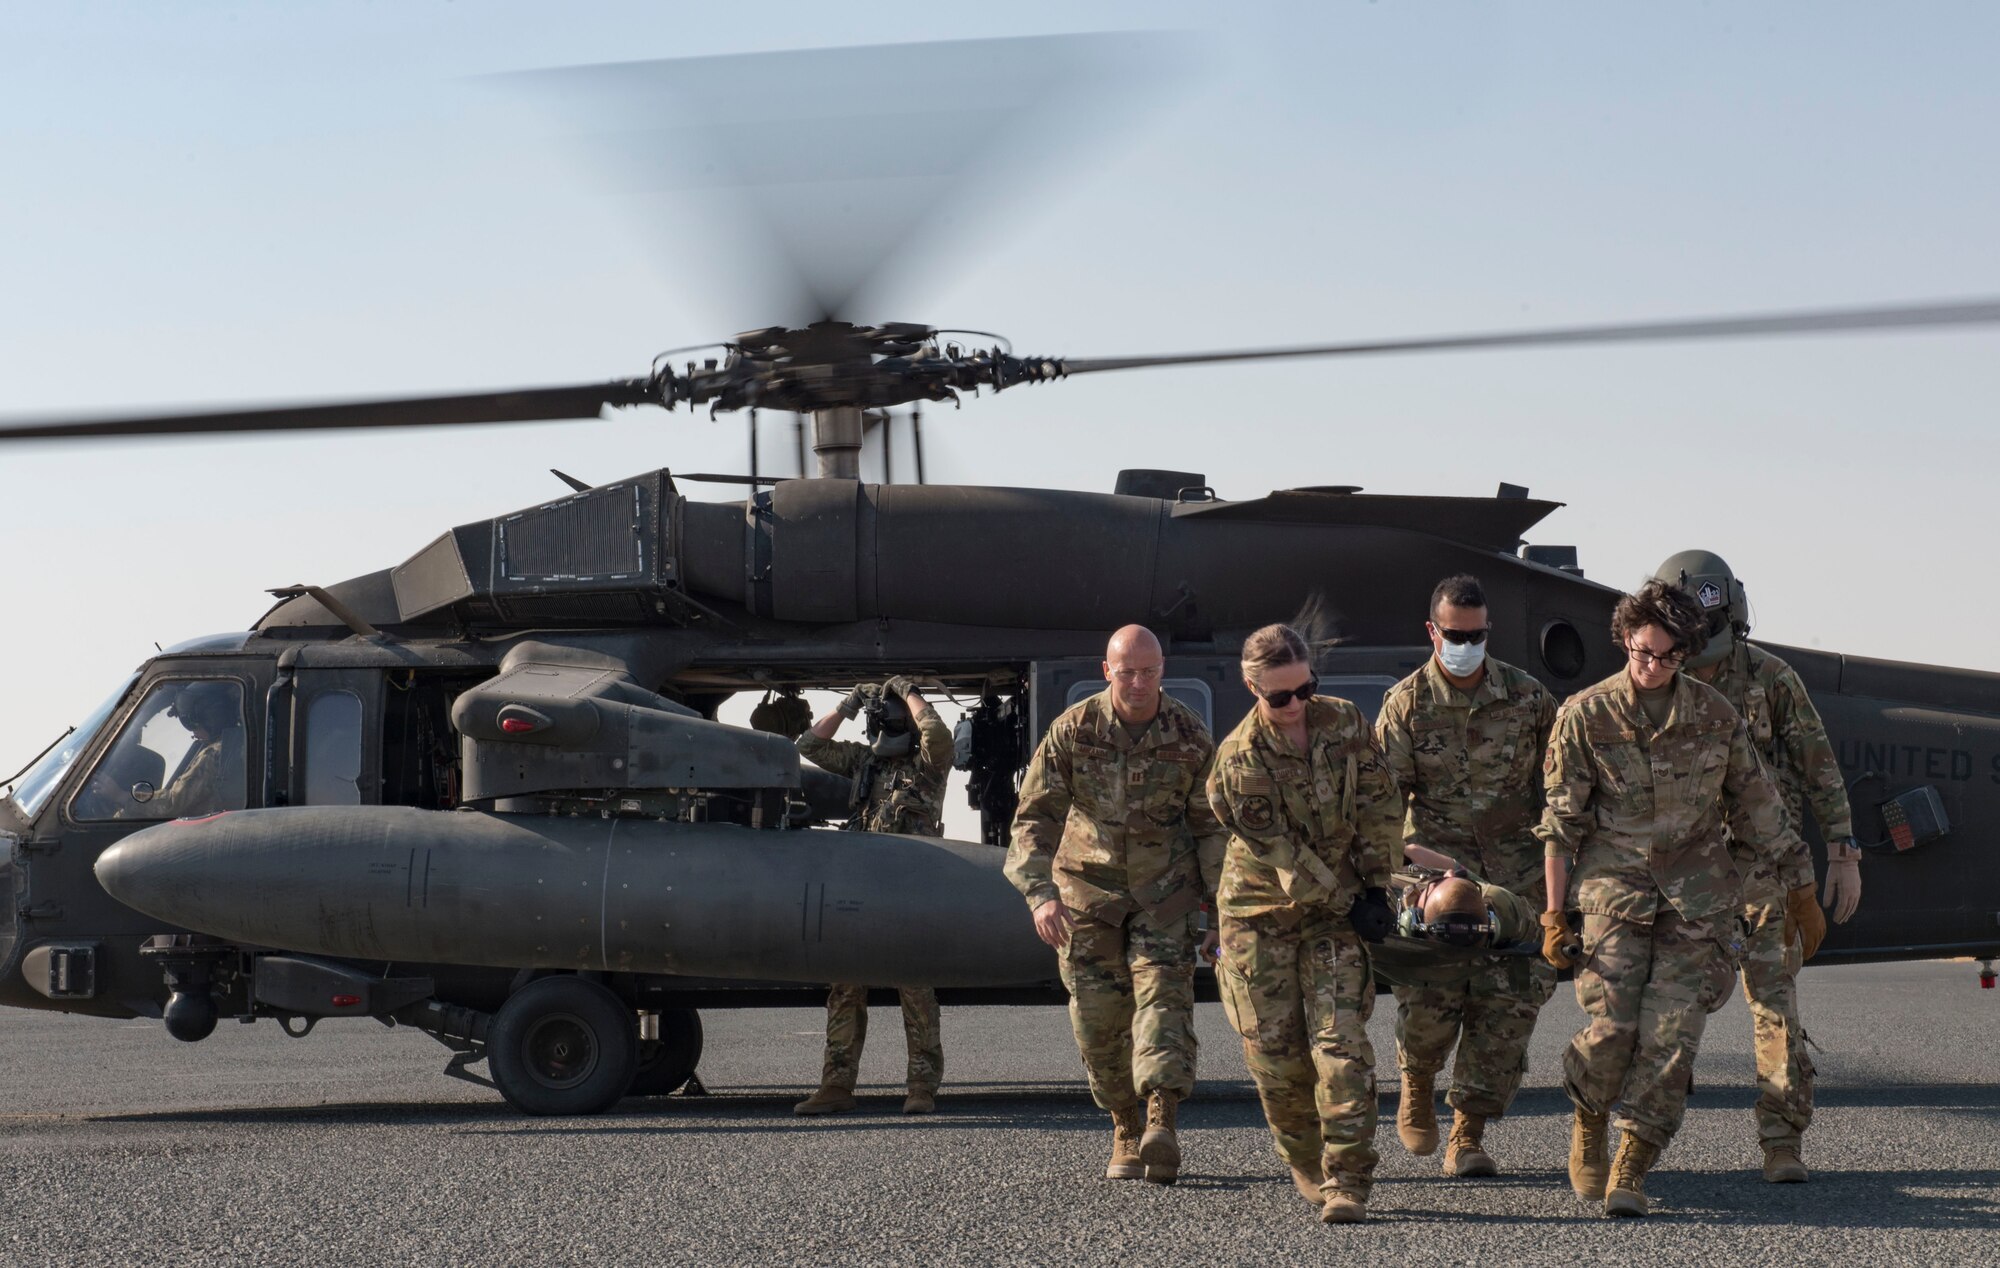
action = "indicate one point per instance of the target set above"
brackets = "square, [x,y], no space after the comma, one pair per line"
[821,172]
[544,404]
[1825,321]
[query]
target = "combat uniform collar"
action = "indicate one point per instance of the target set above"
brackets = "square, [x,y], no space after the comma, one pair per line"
[1112,729]
[1683,709]
[1492,689]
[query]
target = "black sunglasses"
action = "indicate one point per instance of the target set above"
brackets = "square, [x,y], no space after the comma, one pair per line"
[1279,699]
[1460,636]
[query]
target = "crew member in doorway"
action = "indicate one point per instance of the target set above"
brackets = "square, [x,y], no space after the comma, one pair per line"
[899,783]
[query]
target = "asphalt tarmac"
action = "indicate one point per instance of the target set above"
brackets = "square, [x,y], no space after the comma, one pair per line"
[118,1145]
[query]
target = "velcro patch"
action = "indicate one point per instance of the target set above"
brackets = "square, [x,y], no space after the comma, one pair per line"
[1256,785]
[1256,814]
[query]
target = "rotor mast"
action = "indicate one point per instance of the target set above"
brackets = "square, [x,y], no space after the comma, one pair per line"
[837,442]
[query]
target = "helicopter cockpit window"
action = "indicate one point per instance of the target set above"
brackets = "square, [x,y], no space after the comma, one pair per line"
[333,750]
[181,754]
[31,791]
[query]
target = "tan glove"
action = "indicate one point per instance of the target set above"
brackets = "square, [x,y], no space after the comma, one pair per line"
[1843,883]
[1556,939]
[1804,920]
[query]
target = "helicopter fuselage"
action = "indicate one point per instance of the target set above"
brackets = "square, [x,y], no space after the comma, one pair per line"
[352,770]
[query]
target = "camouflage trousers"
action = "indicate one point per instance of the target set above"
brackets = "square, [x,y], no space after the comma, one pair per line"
[847,1031]
[1298,988]
[1648,990]
[1770,984]
[1489,1017]
[1131,1004]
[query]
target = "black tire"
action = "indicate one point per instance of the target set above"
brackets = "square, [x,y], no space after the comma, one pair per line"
[563,1045]
[667,1063]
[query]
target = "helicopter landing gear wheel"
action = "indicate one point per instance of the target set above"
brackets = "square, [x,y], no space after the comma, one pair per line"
[562,1045]
[668,1062]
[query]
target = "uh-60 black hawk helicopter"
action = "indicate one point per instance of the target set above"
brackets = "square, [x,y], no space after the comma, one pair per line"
[483,792]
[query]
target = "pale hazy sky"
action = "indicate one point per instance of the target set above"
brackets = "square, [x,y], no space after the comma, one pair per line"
[204,203]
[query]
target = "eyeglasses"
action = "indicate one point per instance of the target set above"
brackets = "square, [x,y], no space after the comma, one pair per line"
[1643,656]
[1279,699]
[1144,673]
[1461,637]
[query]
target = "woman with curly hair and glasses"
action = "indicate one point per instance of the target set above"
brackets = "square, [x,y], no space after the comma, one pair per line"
[1648,776]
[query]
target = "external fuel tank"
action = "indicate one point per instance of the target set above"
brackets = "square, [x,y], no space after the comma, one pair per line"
[633,895]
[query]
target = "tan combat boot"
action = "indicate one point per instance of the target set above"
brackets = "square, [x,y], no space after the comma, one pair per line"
[921,1100]
[1159,1148]
[1589,1166]
[828,1100]
[1416,1114]
[1464,1155]
[1307,1179]
[1627,1195]
[1128,1123]
[1781,1162]
[1343,1207]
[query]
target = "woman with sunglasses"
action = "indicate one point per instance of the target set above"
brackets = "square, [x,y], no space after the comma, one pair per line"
[1648,776]
[1313,825]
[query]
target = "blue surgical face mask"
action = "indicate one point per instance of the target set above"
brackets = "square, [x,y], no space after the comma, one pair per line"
[1461,660]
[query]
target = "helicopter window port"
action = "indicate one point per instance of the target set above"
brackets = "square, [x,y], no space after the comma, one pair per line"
[32,789]
[180,754]
[333,750]
[1562,649]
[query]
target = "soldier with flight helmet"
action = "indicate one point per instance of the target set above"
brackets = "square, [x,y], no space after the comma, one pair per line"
[1788,735]
[899,784]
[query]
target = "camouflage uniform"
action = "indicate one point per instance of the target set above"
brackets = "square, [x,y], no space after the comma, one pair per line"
[1469,766]
[1308,832]
[891,794]
[1118,829]
[1645,816]
[1786,732]
[210,779]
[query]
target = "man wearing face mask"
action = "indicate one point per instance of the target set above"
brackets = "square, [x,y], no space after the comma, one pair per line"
[899,781]
[1463,739]
[1787,733]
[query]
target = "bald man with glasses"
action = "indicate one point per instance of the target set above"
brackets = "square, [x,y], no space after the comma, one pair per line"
[1463,740]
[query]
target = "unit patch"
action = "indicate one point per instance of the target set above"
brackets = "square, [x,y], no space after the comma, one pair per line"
[1710,595]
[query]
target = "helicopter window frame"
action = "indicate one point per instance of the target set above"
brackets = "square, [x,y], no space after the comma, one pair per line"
[319,735]
[37,784]
[164,688]
[1370,704]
